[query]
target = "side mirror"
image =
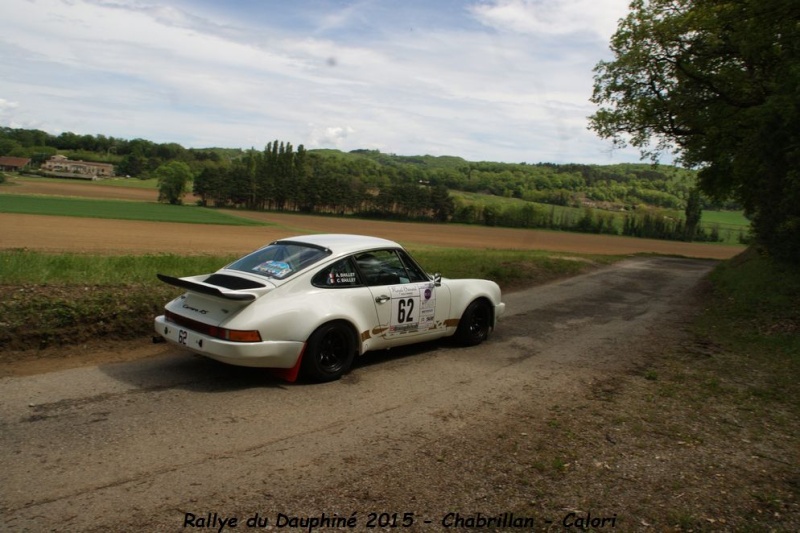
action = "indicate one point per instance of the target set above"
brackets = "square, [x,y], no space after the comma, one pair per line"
[437,280]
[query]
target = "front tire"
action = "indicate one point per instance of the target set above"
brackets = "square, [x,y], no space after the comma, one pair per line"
[329,352]
[475,323]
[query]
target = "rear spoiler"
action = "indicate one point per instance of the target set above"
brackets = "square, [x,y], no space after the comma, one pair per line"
[206,289]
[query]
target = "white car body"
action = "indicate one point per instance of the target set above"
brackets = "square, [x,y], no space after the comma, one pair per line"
[358,294]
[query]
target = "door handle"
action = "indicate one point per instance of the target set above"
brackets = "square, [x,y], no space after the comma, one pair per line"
[382,299]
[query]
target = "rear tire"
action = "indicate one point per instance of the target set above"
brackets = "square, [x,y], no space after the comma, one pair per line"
[475,323]
[330,351]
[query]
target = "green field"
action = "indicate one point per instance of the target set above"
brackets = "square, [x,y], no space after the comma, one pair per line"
[117,209]
[132,183]
[733,219]
[25,267]
[730,224]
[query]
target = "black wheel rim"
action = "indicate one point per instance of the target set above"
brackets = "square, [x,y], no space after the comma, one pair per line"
[333,351]
[479,322]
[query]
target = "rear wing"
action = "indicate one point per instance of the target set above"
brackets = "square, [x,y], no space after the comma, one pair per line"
[206,289]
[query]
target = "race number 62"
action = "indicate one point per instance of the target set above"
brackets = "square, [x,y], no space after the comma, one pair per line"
[405,310]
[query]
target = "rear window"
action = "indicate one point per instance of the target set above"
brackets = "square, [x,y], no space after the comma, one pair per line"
[280,260]
[339,275]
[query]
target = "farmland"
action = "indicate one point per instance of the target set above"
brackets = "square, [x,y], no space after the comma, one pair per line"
[145,236]
[602,393]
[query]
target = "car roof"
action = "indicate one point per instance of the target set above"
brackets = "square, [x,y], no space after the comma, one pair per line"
[341,243]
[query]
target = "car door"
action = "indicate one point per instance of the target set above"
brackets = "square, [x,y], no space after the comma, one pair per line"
[409,306]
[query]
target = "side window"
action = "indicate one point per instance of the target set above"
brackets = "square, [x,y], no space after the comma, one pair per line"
[415,274]
[385,267]
[339,275]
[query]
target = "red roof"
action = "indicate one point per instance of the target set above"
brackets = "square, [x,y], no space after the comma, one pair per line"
[19,162]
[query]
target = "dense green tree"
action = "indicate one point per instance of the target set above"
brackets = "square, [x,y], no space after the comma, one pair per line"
[718,82]
[693,212]
[442,203]
[219,188]
[141,147]
[9,147]
[206,184]
[309,196]
[173,181]
[491,214]
[169,151]
[133,165]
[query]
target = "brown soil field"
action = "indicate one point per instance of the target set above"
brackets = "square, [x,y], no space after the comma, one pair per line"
[83,189]
[56,234]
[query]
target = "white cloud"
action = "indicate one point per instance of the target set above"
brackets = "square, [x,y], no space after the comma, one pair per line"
[512,87]
[5,104]
[328,137]
[594,17]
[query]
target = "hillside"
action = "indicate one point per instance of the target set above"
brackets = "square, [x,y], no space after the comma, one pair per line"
[630,199]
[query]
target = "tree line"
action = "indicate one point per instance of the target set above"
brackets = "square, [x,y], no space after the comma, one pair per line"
[283,178]
[621,185]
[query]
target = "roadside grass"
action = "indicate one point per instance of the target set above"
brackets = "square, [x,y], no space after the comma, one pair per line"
[65,299]
[29,268]
[511,269]
[62,299]
[705,435]
[118,209]
[755,325]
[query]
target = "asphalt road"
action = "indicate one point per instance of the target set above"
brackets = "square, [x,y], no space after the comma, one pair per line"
[121,445]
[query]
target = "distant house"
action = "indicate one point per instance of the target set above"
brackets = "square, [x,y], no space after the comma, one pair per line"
[13,164]
[61,165]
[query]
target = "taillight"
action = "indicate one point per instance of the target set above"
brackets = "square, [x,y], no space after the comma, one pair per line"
[236,335]
[233,335]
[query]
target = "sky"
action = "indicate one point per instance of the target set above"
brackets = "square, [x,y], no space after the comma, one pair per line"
[486,80]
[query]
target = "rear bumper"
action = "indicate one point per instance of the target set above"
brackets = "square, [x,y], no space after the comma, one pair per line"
[266,354]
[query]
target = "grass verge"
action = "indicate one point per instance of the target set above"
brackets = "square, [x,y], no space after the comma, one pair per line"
[704,436]
[64,299]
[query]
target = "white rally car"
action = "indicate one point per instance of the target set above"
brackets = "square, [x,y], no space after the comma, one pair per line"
[310,304]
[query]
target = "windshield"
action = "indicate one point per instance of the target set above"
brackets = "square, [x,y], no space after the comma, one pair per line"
[279,260]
